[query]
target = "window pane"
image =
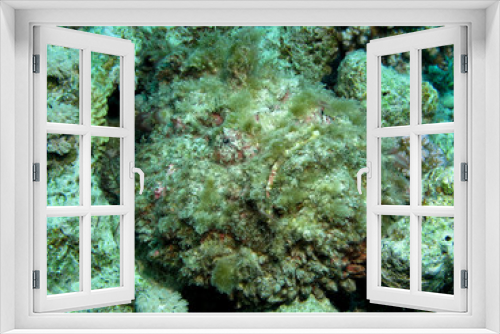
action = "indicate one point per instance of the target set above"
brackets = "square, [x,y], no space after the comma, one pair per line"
[63,85]
[395,89]
[395,171]
[438,169]
[105,171]
[105,78]
[437,254]
[63,255]
[105,252]
[395,264]
[437,85]
[63,170]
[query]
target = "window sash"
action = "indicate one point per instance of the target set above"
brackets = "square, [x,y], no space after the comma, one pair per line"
[413,42]
[86,43]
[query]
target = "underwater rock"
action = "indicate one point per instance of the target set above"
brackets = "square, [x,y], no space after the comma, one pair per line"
[63,91]
[250,161]
[437,255]
[395,100]
[354,37]
[351,82]
[308,51]
[228,270]
[63,85]
[63,233]
[251,205]
[62,144]
[154,298]
[150,297]
[234,147]
[310,305]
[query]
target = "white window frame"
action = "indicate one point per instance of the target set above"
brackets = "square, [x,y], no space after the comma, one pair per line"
[484,120]
[414,43]
[85,43]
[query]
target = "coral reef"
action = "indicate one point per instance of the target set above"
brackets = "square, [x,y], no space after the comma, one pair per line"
[248,201]
[308,51]
[395,90]
[63,81]
[437,255]
[151,297]
[63,251]
[250,138]
[309,305]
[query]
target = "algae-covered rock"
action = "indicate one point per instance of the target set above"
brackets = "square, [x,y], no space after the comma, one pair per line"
[437,254]
[310,305]
[151,296]
[63,233]
[309,51]
[244,175]
[63,85]
[395,90]
[250,163]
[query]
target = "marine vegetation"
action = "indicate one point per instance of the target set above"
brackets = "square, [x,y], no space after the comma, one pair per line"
[250,139]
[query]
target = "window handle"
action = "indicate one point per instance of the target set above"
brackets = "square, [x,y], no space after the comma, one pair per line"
[368,171]
[134,170]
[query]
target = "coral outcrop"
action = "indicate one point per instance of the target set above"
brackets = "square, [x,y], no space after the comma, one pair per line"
[251,160]
[250,138]
[395,90]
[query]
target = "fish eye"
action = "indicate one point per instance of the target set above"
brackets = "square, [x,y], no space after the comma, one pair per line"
[225,140]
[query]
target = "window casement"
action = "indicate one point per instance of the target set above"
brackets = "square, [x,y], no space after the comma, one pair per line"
[73,125]
[400,145]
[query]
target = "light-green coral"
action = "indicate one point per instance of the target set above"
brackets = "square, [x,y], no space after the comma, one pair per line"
[224,276]
[232,269]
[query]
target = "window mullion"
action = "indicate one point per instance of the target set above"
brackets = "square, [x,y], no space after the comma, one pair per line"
[414,169]
[82,192]
[86,162]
